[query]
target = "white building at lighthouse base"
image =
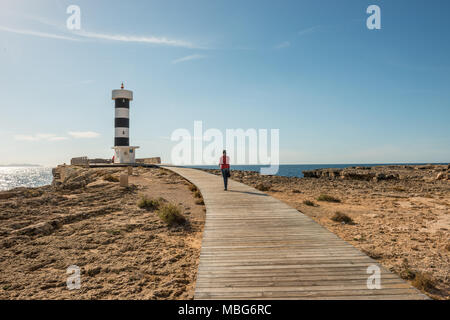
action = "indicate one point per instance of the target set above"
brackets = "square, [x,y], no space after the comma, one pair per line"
[125,154]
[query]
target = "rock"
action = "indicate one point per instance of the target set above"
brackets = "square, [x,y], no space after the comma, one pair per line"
[383,176]
[322,173]
[74,185]
[43,228]
[311,174]
[6,195]
[352,175]
[426,167]
[442,176]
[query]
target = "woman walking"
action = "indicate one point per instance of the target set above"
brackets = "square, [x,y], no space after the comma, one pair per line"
[224,165]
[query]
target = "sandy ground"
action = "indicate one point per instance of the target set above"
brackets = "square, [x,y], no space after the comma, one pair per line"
[124,252]
[404,224]
[128,253]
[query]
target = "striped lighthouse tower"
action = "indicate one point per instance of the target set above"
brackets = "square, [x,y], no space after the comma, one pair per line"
[123,152]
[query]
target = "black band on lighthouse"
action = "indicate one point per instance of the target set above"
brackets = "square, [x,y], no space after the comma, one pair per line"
[122,103]
[121,142]
[122,122]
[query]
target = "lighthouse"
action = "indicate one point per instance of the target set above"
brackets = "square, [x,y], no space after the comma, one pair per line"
[123,152]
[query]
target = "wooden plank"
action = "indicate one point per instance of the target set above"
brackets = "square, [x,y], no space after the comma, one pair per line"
[257,247]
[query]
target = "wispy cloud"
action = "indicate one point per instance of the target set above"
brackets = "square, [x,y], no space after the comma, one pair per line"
[137,39]
[84,134]
[189,58]
[308,30]
[37,34]
[283,45]
[39,137]
[83,35]
[54,137]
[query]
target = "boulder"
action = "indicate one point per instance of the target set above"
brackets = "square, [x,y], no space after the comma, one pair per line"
[353,175]
[442,176]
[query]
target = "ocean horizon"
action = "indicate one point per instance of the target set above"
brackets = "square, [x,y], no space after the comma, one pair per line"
[296,170]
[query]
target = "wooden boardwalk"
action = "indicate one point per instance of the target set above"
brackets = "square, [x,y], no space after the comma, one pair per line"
[257,247]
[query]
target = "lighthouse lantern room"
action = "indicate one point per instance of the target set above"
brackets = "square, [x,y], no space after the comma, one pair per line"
[123,152]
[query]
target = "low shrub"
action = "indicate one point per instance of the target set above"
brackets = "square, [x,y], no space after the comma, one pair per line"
[198,194]
[328,198]
[171,214]
[407,273]
[150,204]
[111,178]
[309,203]
[342,218]
[263,186]
[423,282]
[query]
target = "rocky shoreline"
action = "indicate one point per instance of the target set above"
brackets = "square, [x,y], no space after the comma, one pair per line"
[380,173]
[398,215]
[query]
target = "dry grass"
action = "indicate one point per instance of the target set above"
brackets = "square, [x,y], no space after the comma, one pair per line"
[423,282]
[309,203]
[198,194]
[342,218]
[328,198]
[150,204]
[171,214]
[111,178]
[263,186]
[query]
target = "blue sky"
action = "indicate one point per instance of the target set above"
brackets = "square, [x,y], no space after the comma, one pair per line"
[338,92]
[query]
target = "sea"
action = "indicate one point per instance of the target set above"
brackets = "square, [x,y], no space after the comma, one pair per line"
[296,170]
[13,177]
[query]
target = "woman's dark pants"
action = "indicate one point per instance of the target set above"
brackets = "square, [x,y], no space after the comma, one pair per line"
[225,177]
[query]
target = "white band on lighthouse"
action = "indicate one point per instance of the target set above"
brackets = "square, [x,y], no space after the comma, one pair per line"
[122,113]
[122,132]
[126,94]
